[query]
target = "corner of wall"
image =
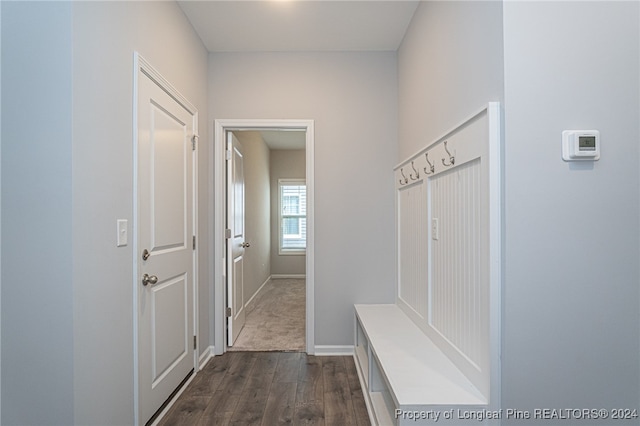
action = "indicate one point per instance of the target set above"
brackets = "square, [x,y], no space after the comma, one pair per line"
[37,84]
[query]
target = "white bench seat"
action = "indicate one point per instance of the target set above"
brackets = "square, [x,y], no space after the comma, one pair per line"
[403,369]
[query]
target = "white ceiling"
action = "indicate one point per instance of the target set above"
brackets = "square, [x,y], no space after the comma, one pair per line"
[281,139]
[302,25]
[284,139]
[299,25]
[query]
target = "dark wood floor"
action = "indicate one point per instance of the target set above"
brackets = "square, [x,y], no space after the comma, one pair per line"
[272,388]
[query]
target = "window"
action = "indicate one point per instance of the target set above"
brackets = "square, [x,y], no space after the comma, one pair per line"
[293,216]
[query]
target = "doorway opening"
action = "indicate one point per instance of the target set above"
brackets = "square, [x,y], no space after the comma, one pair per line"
[266,213]
[264,257]
[165,282]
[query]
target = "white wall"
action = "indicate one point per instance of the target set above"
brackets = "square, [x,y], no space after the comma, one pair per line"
[571,294]
[449,67]
[571,319]
[0,214]
[105,36]
[257,257]
[353,99]
[285,164]
[67,313]
[37,291]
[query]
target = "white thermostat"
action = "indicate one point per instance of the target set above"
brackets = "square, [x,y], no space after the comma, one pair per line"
[580,145]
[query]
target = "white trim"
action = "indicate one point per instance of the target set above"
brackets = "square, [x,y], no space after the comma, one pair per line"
[285,276]
[494,159]
[140,65]
[365,391]
[173,400]
[205,356]
[0,226]
[195,251]
[447,134]
[496,253]
[217,202]
[334,350]
[310,258]
[134,231]
[217,242]
[290,251]
[257,291]
[146,68]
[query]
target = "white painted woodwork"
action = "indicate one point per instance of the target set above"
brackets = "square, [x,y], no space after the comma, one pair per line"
[235,218]
[459,283]
[437,349]
[164,227]
[412,247]
[217,160]
[400,367]
[447,277]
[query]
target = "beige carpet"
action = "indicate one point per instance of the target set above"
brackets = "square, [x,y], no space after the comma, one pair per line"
[275,318]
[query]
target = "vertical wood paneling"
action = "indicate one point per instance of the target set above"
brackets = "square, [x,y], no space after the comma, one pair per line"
[458,282]
[446,285]
[412,247]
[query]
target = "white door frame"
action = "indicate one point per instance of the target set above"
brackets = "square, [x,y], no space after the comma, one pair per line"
[217,205]
[141,65]
[235,244]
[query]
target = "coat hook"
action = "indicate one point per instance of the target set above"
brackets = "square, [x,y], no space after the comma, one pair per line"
[417,173]
[452,159]
[431,166]
[405,180]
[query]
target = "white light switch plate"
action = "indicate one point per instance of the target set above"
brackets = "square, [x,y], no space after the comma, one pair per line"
[435,229]
[123,235]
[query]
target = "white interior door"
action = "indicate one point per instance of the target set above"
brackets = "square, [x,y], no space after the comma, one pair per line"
[164,234]
[235,244]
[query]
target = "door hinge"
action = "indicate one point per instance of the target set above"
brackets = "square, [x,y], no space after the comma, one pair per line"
[195,342]
[194,242]
[227,233]
[228,154]
[194,141]
[228,312]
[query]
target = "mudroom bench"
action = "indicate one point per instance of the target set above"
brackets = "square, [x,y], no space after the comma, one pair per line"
[405,377]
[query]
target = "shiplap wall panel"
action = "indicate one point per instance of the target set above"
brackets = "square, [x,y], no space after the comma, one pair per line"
[412,246]
[448,285]
[458,281]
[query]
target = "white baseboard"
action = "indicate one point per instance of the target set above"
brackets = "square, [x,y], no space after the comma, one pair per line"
[273,277]
[285,276]
[205,356]
[257,291]
[175,397]
[334,350]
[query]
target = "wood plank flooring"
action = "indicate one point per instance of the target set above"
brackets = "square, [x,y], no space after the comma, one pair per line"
[272,388]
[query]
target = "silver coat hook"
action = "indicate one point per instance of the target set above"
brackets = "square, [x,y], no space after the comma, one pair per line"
[431,166]
[404,179]
[417,173]
[452,159]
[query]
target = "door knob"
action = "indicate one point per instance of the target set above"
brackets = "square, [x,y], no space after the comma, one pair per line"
[149,279]
[245,245]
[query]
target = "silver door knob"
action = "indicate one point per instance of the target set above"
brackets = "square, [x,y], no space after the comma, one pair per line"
[149,279]
[245,245]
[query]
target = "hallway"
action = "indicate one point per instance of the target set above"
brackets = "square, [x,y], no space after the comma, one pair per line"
[275,318]
[272,388]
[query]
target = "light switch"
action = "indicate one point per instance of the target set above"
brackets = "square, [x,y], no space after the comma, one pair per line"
[435,229]
[122,232]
